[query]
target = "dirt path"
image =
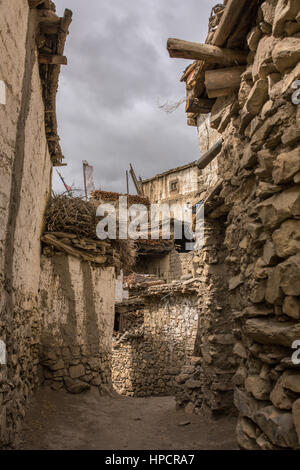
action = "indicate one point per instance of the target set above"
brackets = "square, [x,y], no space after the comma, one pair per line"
[57,420]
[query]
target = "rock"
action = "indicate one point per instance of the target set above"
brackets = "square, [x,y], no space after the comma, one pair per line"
[269,255]
[246,404]
[264,443]
[291,307]
[77,371]
[296,417]
[263,63]
[272,331]
[266,161]
[285,10]
[257,97]
[76,386]
[58,365]
[258,292]
[193,384]
[286,53]
[244,441]
[253,38]
[190,408]
[291,136]
[280,207]
[235,282]
[240,376]
[289,275]
[287,238]
[258,387]
[278,426]
[182,378]
[268,10]
[286,166]
[291,381]
[279,398]
[239,350]
[184,423]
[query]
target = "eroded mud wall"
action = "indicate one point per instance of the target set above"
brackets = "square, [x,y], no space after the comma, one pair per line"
[77,308]
[25,170]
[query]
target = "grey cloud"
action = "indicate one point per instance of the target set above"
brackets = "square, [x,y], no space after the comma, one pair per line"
[108,95]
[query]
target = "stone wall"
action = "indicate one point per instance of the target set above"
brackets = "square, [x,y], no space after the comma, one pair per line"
[155,346]
[204,384]
[77,308]
[260,167]
[25,171]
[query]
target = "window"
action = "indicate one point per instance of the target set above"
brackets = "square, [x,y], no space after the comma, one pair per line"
[174,186]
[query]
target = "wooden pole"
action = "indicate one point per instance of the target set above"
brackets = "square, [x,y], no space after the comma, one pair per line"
[223,78]
[127,182]
[232,12]
[210,54]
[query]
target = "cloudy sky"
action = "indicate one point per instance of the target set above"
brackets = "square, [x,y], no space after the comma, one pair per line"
[118,73]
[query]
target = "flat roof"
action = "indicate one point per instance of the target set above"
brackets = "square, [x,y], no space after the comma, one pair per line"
[169,172]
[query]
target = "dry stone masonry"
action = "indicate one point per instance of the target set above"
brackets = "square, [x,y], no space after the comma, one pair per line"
[259,165]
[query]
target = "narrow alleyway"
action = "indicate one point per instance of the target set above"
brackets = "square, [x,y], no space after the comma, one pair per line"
[57,420]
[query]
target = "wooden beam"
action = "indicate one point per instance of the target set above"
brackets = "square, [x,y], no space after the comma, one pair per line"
[135,181]
[223,78]
[221,92]
[232,12]
[199,106]
[210,54]
[210,155]
[52,59]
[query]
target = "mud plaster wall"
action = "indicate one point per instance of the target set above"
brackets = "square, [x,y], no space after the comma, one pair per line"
[146,363]
[25,170]
[158,189]
[77,307]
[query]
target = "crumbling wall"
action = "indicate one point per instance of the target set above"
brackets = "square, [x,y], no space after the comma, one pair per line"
[260,164]
[77,307]
[204,384]
[147,359]
[170,267]
[25,170]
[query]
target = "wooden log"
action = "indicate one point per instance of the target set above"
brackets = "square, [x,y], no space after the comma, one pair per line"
[223,78]
[221,92]
[210,54]
[210,155]
[52,59]
[199,106]
[231,15]
[192,122]
[51,240]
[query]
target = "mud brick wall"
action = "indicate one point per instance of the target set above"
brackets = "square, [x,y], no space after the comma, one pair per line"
[25,170]
[146,362]
[260,164]
[77,308]
[204,384]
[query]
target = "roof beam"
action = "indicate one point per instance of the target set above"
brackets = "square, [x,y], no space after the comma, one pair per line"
[210,54]
[210,155]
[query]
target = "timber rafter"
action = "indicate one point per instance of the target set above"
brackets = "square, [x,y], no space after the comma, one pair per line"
[51,37]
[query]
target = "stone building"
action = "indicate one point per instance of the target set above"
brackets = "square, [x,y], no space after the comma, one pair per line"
[49,329]
[245,76]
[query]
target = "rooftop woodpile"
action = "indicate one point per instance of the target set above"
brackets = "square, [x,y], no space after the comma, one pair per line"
[221,61]
[113,197]
[51,37]
[70,227]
